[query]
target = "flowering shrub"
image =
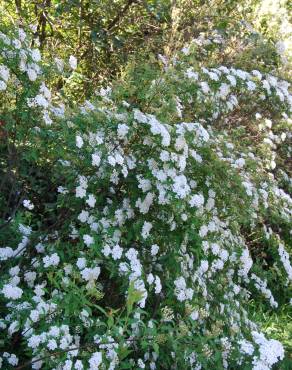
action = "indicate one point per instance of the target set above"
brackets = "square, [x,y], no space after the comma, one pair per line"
[137,227]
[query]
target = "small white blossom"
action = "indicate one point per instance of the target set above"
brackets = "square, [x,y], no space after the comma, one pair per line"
[32,75]
[117,252]
[73,62]
[52,260]
[88,240]
[27,204]
[147,226]
[154,249]
[91,200]
[79,141]
[96,159]
[197,200]
[95,361]
[123,129]
[11,292]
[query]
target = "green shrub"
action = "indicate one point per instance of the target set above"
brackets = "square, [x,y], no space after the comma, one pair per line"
[137,227]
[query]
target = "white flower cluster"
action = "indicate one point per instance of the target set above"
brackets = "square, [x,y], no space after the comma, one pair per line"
[181,291]
[12,292]
[4,75]
[262,287]
[28,204]
[284,256]
[52,260]
[271,351]
[81,189]
[90,274]
[95,361]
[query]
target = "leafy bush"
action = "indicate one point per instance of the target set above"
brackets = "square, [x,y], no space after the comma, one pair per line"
[137,227]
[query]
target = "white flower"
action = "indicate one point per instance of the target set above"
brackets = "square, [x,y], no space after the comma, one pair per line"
[164,156]
[13,360]
[80,192]
[181,187]
[185,50]
[271,351]
[32,75]
[91,200]
[3,86]
[240,162]
[81,263]
[196,156]
[194,315]
[45,91]
[147,226]
[79,141]
[95,360]
[40,248]
[41,101]
[13,328]
[47,118]
[52,344]
[21,34]
[83,216]
[205,87]
[215,248]
[105,92]
[139,116]
[146,203]
[141,364]
[4,72]
[52,260]
[224,91]
[154,249]
[106,250]
[181,291]
[144,184]
[197,200]
[16,43]
[204,265]
[78,365]
[34,341]
[111,160]
[122,130]
[36,55]
[191,74]
[25,230]
[203,231]
[95,159]
[231,79]
[34,315]
[150,279]
[88,240]
[281,47]
[62,190]
[72,62]
[89,274]
[117,252]
[11,292]
[158,285]
[54,331]
[180,283]
[158,128]
[251,86]
[246,347]
[284,256]
[5,253]
[27,204]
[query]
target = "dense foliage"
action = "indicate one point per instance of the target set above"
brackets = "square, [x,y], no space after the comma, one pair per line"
[149,225]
